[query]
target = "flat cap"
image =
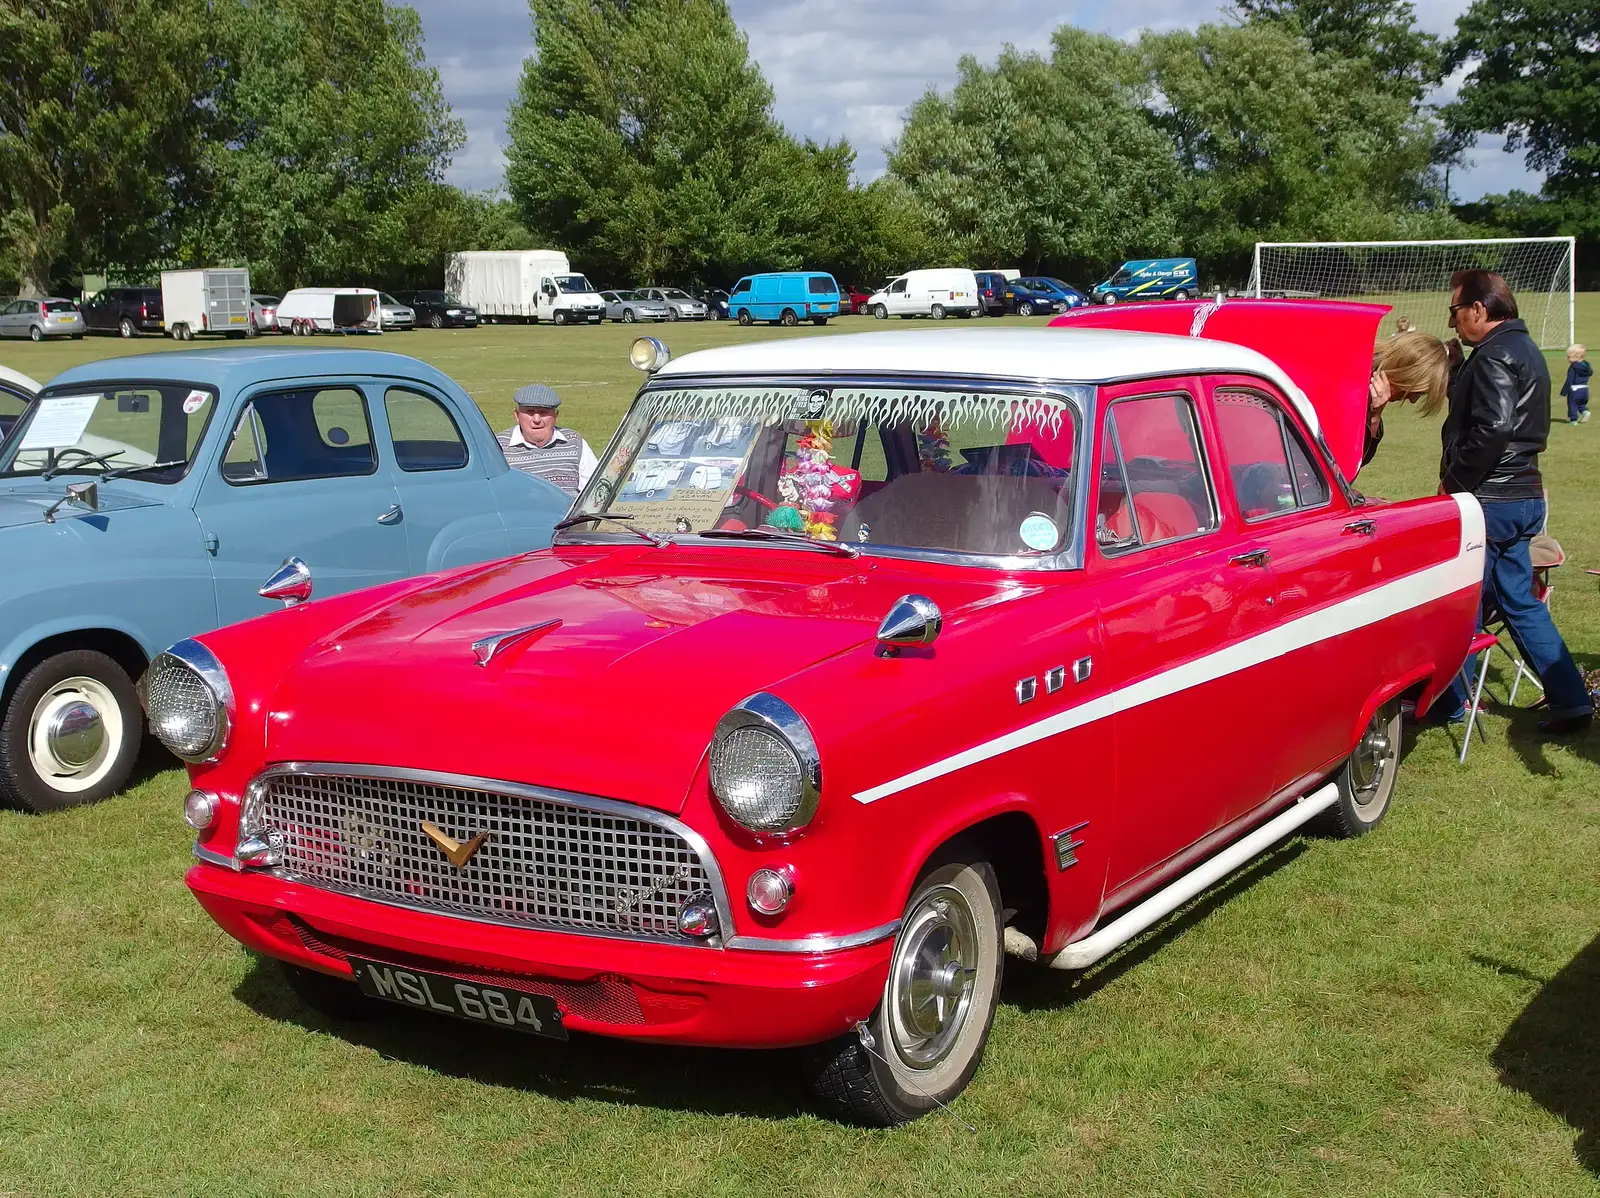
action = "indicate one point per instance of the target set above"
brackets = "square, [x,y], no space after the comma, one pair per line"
[537,395]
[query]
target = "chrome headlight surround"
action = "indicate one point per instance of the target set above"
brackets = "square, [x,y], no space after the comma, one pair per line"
[189,702]
[764,723]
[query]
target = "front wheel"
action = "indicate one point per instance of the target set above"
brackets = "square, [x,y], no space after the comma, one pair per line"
[1024,309]
[71,732]
[628,317]
[1366,782]
[1108,298]
[929,1031]
[880,312]
[436,321]
[788,320]
[672,314]
[1180,295]
[744,316]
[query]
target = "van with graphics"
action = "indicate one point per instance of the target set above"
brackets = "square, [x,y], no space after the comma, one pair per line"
[785,297]
[1150,278]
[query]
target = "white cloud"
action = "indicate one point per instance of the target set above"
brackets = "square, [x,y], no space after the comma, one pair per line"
[846,68]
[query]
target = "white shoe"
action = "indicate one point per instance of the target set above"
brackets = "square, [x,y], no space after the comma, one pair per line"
[1584,418]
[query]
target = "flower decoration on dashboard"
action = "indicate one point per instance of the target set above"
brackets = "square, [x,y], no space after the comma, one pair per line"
[933,448]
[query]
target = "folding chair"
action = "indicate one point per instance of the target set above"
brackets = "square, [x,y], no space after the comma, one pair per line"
[1481,645]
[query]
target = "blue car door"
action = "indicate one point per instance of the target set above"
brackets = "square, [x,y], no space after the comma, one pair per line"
[300,474]
[450,514]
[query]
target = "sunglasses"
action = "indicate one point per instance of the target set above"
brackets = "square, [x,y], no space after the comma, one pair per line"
[1454,308]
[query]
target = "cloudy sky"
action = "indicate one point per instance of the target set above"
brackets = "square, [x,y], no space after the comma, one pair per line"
[844,67]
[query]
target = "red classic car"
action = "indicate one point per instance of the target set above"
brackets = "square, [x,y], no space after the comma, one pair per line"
[859,299]
[961,645]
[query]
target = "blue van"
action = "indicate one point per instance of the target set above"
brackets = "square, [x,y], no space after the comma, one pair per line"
[1150,278]
[787,297]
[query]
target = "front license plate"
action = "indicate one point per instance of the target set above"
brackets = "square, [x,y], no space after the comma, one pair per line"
[514,1010]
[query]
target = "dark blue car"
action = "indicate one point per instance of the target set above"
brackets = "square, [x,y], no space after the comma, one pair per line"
[1023,298]
[1066,295]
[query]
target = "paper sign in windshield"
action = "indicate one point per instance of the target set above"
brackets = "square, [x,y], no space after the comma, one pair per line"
[59,421]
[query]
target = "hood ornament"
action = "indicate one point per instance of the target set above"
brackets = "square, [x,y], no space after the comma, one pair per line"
[459,852]
[913,620]
[485,649]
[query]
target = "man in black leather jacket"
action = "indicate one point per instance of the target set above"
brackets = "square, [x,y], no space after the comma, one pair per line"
[1494,432]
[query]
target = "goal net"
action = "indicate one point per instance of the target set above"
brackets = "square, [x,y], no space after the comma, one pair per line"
[1413,278]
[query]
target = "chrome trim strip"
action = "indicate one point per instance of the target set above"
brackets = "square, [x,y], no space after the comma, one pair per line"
[212,857]
[815,944]
[708,860]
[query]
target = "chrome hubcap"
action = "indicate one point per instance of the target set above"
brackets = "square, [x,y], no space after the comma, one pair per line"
[1371,758]
[74,734]
[931,978]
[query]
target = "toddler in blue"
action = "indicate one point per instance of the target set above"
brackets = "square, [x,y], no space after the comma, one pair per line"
[1576,388]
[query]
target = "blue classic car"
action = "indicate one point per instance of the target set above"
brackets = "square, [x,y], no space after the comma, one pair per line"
[146,499]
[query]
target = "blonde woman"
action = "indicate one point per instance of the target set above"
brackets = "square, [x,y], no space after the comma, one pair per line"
[1410,367]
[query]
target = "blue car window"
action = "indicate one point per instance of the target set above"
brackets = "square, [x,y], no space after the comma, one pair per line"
[424,433]
[308,432]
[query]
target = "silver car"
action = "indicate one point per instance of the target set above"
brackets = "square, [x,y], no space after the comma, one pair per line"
[395,315]
[37,319]
[629,306]
[680,304]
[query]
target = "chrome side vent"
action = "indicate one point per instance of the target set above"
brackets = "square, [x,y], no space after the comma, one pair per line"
[1067,845]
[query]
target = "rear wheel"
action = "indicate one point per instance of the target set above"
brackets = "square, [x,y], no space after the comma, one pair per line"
[788,320]
[35,333]
[71,732]
[1366,782]
[819,321]
[330,996]
[937,312]
[125,328]
[929,1032]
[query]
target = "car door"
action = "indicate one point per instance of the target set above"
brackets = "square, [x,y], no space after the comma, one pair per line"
[8,318]
[298,471]
[448,511]
[1177,607]
[897,299]
[1321,553]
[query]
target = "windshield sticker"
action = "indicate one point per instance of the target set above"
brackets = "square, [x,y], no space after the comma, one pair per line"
[59,421]
[1039,532]
[195,401]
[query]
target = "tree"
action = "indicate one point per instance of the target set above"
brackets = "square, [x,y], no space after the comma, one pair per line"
[1382,33]
[1535,78]
[642,140]
[1034,162]
[103,108]
[335,140]
[1279,143]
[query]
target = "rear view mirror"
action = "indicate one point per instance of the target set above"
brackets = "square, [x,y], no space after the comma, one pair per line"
[130,401]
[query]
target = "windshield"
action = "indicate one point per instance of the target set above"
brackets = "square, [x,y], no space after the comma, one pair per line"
[675,293]
[92,429]
[884,468]
[571,283]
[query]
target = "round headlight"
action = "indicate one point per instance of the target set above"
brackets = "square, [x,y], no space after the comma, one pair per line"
[188,701]
[648,354]
[764,766]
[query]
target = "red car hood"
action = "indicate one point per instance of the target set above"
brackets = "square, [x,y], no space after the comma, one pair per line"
[618,700]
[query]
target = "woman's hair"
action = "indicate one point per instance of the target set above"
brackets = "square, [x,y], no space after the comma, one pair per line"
[1417,366]
[1575,352]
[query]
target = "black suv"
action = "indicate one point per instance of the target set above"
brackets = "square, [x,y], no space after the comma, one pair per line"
[125,310]
[438,309]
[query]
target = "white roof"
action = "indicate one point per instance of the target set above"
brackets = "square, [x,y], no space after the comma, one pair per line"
[1055,355]
[17,379]
[330,291]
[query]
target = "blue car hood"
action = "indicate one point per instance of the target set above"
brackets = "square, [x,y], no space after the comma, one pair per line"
[23,503]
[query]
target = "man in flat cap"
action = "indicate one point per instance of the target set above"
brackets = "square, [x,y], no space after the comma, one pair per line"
[536,445]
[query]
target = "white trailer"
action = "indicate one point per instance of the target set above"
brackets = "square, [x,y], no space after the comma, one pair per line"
[207,301]
[306,311]
[530,285]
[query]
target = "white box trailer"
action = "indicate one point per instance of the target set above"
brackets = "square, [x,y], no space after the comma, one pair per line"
[531,285]
[306,311]
[207,301]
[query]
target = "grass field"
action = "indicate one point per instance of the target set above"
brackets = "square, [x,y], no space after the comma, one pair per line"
[1416,1013]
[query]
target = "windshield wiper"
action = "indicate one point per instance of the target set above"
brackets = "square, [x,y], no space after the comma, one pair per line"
[621,520]
[790,538]
[84,458]
[121,471]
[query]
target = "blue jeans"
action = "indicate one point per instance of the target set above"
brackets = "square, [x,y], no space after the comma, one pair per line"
[1577,402]
[1508,585]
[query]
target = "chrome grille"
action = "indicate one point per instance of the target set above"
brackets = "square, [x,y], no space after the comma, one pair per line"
[547,862]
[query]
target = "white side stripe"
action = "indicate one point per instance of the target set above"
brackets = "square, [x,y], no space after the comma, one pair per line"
[1359,611]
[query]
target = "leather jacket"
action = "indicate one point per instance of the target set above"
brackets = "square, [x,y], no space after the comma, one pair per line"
[1499,418]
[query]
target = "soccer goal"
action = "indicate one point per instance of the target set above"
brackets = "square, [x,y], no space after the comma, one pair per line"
[1413,278]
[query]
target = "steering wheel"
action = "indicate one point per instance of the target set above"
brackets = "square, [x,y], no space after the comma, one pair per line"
[59,465]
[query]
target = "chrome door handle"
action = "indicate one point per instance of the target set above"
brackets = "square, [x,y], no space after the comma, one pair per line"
[1365,527]
[392,516]
[1255,557]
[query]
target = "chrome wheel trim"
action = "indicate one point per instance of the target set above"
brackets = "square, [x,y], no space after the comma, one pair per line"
[931,979]
[1371,765]
[74,734]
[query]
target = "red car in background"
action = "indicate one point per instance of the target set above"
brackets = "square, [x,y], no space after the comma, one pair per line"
[939,647]
[859,299]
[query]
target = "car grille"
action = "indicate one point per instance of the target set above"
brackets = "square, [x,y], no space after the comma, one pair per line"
[607,868]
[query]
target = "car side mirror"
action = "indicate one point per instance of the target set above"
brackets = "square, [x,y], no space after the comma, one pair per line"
[913,620]
[290,582]
[79,495]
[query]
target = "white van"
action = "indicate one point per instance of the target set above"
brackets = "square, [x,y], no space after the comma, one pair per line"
[306,311]
[523,285]
[946,291]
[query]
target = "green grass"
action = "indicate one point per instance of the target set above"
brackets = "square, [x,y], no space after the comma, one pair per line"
[1415,1013]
